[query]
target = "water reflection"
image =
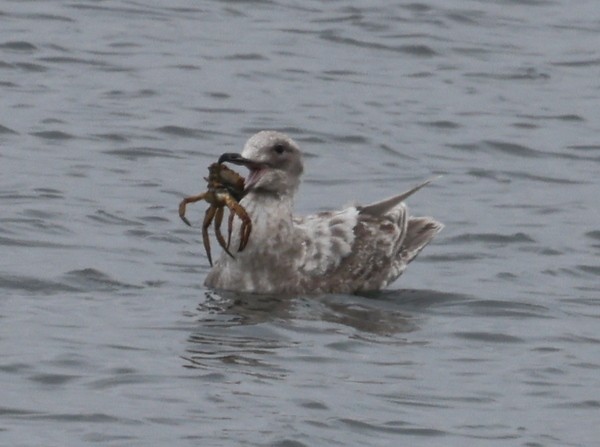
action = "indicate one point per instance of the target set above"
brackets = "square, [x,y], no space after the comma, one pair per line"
[243,308]
[381,313]
[236,333]
[365,315]
[248,332]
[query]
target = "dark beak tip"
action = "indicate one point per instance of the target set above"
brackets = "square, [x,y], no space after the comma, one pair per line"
[230,157]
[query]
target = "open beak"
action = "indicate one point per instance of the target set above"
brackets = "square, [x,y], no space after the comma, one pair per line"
[256,168]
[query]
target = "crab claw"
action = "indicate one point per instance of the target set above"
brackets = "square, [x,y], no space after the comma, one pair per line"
[182,207]
[184,202]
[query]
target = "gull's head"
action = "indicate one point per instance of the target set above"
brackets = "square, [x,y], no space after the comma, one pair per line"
[274,161]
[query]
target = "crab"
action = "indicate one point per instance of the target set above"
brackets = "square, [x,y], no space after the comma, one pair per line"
[225,189]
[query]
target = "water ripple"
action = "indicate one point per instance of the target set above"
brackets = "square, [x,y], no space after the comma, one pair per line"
[136,153]
[18,45]
[53,379]
[34,285]
[494,238]
[513,149]
[29,67]
[53,135]
[105,217]
[593,235]
[397,427]
[6,130]
[488,337]
[15,242]
[92,279]
[420,50]
[181,131]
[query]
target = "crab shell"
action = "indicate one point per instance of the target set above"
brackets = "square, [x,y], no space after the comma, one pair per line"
[220,176]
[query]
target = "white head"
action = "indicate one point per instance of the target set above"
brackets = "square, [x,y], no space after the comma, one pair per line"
[274,161]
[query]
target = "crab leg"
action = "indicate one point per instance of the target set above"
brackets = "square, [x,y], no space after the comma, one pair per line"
[246,228]
[218,220]
[208,218]
[230,227]
[184,202]
[246,222]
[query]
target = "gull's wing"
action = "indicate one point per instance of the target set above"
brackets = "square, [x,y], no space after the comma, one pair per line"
[346,251]
[327,238]
[363,247]
[382,207]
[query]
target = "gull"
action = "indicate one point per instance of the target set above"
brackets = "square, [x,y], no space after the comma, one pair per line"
[353,250]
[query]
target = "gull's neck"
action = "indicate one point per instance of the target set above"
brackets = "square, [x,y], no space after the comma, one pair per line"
[260,204]
[273,248]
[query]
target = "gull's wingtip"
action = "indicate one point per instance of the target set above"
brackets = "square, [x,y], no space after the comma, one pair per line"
[382,207]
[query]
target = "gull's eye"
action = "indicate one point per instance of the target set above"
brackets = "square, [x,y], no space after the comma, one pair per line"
[279,148]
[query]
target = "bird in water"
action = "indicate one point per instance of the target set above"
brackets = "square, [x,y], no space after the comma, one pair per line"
[355,249]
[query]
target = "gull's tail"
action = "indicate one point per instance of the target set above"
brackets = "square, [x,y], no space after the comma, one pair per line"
[419,232]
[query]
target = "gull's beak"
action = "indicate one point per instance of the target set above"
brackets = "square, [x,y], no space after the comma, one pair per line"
[239,160]
[232,158]
[257,169]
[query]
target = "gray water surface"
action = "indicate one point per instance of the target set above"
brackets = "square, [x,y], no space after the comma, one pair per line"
[112,111]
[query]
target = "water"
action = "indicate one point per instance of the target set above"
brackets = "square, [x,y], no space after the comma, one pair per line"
[111,112]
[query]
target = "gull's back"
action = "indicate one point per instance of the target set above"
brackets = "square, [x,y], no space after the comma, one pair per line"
[360,249]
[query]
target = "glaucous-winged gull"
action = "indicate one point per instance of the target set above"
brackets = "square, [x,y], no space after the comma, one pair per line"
[356,249]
